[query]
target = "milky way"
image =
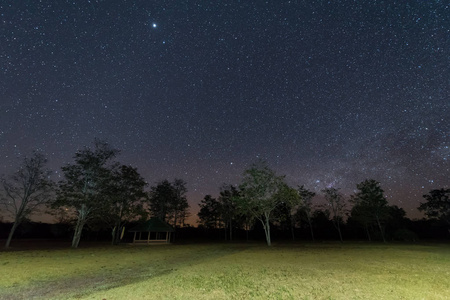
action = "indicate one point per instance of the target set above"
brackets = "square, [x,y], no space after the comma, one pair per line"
[328,93]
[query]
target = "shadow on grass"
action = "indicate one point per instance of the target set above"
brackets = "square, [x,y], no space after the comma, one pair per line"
[77,287]
[109,277]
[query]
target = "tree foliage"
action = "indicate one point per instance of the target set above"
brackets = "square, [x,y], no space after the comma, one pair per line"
[370,206]
[209,213]
[26,190]
[168,201]
[259,194]
[180,208]
[86,183]
[219,212]
[437,205]
[126,197]
[290,201]
[336,204]
[227,207]
[306,207]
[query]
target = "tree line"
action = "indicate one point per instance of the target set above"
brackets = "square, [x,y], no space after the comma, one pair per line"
[264,196]
[95,189]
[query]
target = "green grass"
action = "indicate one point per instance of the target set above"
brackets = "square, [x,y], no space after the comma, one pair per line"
[230,271]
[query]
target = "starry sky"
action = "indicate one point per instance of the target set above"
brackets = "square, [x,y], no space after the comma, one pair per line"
[329,93]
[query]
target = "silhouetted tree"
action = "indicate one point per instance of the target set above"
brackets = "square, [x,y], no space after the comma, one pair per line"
[26,190]
[397,216]
[258,195]
[85,188]
[362,216]
[221,212]
[160,198]
[168,201]
[246,220]
[437,205]
[292,200]
[180,206]
[209,213]
[306,206]
[336,205]
[321,221]
[398,225]
[126,196]
[227,207]
[371,205]
[281,217]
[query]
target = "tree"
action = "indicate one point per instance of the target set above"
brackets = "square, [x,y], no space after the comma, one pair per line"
[336,204]
[209,213]
[168,201]
[361,215]
[26,190]
[370,206]
[321,220]
[217,213]
[227,207]
[180,206]
[437,205]
[85,188]
[398,224]
[160,198]
[259,194]
[306,206]
[127,195]
[291,200]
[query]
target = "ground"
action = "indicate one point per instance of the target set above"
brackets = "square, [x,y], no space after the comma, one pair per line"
[353,270]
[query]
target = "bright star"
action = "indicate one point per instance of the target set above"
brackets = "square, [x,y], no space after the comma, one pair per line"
[154,25]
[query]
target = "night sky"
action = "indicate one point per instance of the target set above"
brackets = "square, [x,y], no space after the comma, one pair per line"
[328,93]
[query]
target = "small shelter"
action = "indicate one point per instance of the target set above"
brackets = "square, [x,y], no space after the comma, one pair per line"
[153,231]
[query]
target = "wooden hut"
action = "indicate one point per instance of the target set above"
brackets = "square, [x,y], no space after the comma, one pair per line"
[153,231]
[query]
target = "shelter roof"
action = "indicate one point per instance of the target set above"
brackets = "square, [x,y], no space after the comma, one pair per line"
[153,225]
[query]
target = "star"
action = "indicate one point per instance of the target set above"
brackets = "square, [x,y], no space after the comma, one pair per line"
[328,107]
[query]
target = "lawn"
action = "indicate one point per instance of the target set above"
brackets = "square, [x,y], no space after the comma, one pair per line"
[229,271]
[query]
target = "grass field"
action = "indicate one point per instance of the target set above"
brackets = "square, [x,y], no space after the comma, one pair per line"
[229,271]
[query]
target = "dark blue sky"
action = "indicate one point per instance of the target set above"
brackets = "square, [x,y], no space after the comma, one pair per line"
[328,93]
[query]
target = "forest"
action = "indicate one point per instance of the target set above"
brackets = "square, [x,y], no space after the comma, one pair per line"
[99,198]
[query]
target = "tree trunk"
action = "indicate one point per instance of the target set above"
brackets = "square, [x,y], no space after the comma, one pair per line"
[117,231]
[83,213]
[231,230]
[225,229]
[20,214]
[11,233]
[292,227]
[311,228]
[77,234]
[175,219]
[266,226]
[113,234]
[337,225]
[381,230]
[339,231]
